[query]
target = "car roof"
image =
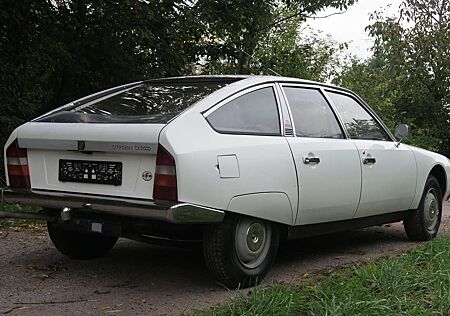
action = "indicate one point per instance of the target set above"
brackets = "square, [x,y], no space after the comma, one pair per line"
[248,79]
[198,79]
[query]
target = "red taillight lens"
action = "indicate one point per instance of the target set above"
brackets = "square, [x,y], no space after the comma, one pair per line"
[165,187]
[17,162]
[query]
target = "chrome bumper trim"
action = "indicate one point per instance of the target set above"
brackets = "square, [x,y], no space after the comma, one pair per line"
[179,213]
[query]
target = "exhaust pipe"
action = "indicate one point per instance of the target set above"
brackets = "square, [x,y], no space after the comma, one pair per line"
[65,214]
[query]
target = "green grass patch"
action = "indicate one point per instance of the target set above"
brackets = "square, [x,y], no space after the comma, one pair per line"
[414,283]
[15,222]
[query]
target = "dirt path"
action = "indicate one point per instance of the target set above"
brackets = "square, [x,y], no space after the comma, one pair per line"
[136,278]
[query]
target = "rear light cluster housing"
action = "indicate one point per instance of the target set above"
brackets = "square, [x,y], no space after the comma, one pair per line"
[165,185]
[17,165]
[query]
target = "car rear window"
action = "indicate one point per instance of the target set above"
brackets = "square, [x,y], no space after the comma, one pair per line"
[149,102]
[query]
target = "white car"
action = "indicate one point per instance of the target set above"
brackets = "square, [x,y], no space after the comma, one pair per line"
[238,162]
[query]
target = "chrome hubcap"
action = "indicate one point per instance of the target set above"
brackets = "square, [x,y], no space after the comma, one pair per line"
[431,208]
[252,241]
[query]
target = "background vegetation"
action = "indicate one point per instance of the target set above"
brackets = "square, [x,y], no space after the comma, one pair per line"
[408,78]
[54,51]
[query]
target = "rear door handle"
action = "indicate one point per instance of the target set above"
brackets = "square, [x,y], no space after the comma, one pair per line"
[308,160]
[369,160]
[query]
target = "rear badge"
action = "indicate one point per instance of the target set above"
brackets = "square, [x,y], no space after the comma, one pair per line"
[147,176]
[81,145]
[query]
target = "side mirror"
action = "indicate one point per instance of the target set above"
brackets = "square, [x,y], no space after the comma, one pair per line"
[401,132]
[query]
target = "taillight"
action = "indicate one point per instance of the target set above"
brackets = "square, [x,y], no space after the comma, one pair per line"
[17,162]
[165,186]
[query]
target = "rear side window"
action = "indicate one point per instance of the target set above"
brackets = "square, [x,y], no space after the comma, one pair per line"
[146,103]
[254,113]
[312,114]
[359,123]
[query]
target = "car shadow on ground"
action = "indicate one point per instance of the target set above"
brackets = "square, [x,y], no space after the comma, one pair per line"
[353,241]
[138,265]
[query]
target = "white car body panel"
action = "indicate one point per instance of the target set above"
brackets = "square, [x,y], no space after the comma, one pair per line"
[254,175]
[329,190]
[426,161]
[389,184]
[273,206]
[265,166]
[10,140]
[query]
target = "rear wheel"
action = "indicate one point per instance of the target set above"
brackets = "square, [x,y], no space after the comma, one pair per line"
[240,250]
[77,245]
[424,223]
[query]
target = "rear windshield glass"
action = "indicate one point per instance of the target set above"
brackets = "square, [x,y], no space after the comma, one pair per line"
[145,103]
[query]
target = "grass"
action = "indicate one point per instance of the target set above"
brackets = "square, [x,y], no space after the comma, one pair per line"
[414,283]
[14,222]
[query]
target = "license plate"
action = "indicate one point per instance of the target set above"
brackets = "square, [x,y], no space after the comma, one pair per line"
[86,171]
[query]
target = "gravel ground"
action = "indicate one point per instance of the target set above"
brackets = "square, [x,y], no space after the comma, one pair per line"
[137,278]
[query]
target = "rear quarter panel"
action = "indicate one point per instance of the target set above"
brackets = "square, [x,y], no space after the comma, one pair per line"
[266,169]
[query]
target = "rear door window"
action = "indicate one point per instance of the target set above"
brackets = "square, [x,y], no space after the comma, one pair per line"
[254,113]
[312,114]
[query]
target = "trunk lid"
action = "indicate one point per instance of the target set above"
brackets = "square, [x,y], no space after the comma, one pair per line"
[133,146]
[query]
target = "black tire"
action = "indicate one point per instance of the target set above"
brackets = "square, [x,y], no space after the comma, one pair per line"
[77,245]
[224,257]
[424,223]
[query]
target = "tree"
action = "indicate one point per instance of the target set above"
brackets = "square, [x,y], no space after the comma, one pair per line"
[373,80]
[234,29]
[289,50]
[410,71]
[54,51]
[298,52]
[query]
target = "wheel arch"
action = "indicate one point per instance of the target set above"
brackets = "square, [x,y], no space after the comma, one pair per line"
[430,163]
[272,206]
[438,172]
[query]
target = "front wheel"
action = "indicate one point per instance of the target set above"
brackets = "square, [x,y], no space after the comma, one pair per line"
[240,250]
[424,223]
[78,245]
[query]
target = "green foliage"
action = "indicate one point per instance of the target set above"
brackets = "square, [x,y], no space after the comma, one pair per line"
[371,80]
[298,52]
[408,78]
[416,283]
[237,30]
[71,49]
[14,222]
[54,51]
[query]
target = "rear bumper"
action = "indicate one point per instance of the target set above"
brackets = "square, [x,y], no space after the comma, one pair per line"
[180,213]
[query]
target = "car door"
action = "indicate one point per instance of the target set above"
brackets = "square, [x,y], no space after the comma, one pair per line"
[388,170]
[327,164]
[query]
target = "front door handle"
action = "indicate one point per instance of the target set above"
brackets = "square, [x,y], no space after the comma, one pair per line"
[308,160]
[369,160]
